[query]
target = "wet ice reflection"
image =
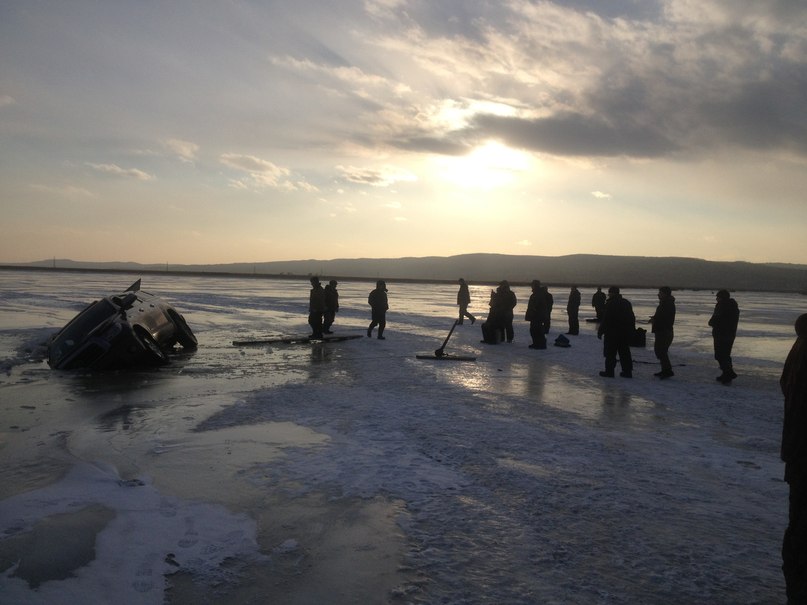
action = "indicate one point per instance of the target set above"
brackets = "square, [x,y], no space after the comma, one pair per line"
[545,388]
[432,476]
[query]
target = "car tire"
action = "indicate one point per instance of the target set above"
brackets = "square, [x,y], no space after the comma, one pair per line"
[182,332]
[153,353]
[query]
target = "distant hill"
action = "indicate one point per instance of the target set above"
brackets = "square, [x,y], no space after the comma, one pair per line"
[579,269]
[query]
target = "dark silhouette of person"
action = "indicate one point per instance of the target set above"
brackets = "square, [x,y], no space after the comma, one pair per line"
[618,326]
[493,326]
[379,306]
[316,307]
[573,311]
[331,306]
[463,300]
[598,302]
[662,326]
[724,322]
[508,301]
[536,314]
[794,454]
[550,302]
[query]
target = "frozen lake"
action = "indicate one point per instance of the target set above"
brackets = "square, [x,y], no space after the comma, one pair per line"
[354,473]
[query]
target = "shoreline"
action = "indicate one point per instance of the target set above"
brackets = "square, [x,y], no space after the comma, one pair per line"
[404,280]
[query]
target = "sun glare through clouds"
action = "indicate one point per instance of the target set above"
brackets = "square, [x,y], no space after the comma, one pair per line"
[489,166]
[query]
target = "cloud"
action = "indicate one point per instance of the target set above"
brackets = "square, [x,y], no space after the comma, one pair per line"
[67,191]
[262,174]
[600,195]
[6,100]
[185,150]
[686,77]
[115,170]
[375,177]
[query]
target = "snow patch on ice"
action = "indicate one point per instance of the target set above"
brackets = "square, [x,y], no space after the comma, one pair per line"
[151,536]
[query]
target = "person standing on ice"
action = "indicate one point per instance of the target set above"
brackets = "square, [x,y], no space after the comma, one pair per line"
[508,301]
[331,305]
[493,326]
[572,310]
[662,326]
[549,300]
[724,322]
[316,307]
[463,300]
[536,315]
[379,306]
[794,454]
[618,326]
[598,302]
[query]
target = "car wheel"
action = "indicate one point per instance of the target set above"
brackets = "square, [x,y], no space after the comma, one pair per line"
[154,354]
[182,331]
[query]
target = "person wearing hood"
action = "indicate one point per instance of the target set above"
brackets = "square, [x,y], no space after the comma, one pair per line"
[794,454]
[662,326]
[379,306]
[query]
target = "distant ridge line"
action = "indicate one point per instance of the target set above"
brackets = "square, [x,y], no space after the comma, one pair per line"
[585,270]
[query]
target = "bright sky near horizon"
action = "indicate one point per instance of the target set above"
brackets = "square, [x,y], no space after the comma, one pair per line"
[226,131]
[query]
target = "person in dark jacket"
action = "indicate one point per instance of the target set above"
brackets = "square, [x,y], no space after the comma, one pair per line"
[794,454]
[316,307]
[463,300]
[618,326]
[662,326]
[508,302]
[493,326]
[572,310]
[331,305]
[536,315]
[550,302]
[598,302]
[724,322]
[379,306]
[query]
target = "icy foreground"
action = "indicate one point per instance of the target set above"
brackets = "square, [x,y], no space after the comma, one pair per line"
[354,473]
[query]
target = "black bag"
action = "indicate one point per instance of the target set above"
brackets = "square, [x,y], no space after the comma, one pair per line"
[639,338]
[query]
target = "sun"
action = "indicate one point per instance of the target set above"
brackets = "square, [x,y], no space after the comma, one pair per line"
[489,166]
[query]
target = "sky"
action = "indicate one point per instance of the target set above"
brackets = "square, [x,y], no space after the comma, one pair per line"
[244,131]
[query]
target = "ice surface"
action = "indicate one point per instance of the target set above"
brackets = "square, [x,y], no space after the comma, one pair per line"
[353,472]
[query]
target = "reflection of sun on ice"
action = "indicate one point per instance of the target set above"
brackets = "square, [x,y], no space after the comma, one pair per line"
[490,166]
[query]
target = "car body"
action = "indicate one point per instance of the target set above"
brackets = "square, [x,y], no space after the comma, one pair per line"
[133,328]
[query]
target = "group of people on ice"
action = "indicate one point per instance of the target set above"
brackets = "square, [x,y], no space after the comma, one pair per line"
[616,325]
[323,304]
[614,316]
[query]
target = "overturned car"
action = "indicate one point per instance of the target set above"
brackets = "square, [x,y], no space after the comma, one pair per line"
[134,328]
